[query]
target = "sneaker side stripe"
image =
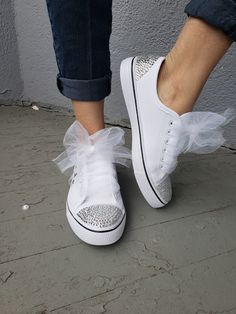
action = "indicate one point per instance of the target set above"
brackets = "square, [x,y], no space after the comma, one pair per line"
[140,138]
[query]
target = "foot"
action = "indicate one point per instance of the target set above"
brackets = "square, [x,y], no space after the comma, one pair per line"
[160,134]
[173,91]
[150,125]
[94,209]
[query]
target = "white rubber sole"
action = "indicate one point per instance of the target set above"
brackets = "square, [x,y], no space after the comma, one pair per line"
[140,169]
[93,237]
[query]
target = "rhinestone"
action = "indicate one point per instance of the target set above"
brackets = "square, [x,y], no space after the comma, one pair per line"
[101,215]
[144,64]
[164,189]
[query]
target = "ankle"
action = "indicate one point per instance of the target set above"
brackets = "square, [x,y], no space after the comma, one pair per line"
[90,114]
[91,125]
[172,90]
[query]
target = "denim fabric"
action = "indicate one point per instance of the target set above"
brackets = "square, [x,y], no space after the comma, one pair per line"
[218,13]
[81,31]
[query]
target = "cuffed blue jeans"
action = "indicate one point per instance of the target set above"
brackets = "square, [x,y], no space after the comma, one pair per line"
[81,33]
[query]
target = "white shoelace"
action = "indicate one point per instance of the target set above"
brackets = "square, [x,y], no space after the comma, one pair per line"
[195,132]
[88,154]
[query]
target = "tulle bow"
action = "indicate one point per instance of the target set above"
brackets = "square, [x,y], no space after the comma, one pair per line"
[195,132]
[79,144]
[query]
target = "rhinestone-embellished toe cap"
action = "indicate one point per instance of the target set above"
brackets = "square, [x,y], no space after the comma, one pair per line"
[143,64]
[101,216]
[164,189]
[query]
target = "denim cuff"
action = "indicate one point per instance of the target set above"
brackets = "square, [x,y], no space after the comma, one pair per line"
[85,90]
[218,13]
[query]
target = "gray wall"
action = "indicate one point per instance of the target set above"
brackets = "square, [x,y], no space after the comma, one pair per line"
[11,85]
[138,27]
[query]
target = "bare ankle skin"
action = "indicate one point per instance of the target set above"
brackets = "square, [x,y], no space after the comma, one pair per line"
[90,114]
[188,65]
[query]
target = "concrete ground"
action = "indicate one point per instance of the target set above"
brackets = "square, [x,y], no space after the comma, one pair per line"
[177,260]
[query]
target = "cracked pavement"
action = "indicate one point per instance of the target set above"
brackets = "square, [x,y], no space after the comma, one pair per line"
[177,260]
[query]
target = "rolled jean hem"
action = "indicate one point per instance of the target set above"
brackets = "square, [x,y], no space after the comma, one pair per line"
[85,90]
[216,13]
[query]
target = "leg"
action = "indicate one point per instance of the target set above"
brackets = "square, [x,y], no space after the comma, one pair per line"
[90,114]
[160,131]
[94,206]
[189,64]
[81,32]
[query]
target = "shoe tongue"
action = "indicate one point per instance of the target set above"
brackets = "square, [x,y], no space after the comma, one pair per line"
[100,174]
[98,166]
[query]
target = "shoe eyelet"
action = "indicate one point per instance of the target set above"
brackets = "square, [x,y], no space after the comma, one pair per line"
[168,132]
[167,141]
[171,123]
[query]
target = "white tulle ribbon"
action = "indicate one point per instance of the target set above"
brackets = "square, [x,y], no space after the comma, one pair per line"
[78,144]
[194,132]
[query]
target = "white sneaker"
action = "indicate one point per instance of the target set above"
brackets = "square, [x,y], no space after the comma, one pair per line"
[94,209]
[159,134]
